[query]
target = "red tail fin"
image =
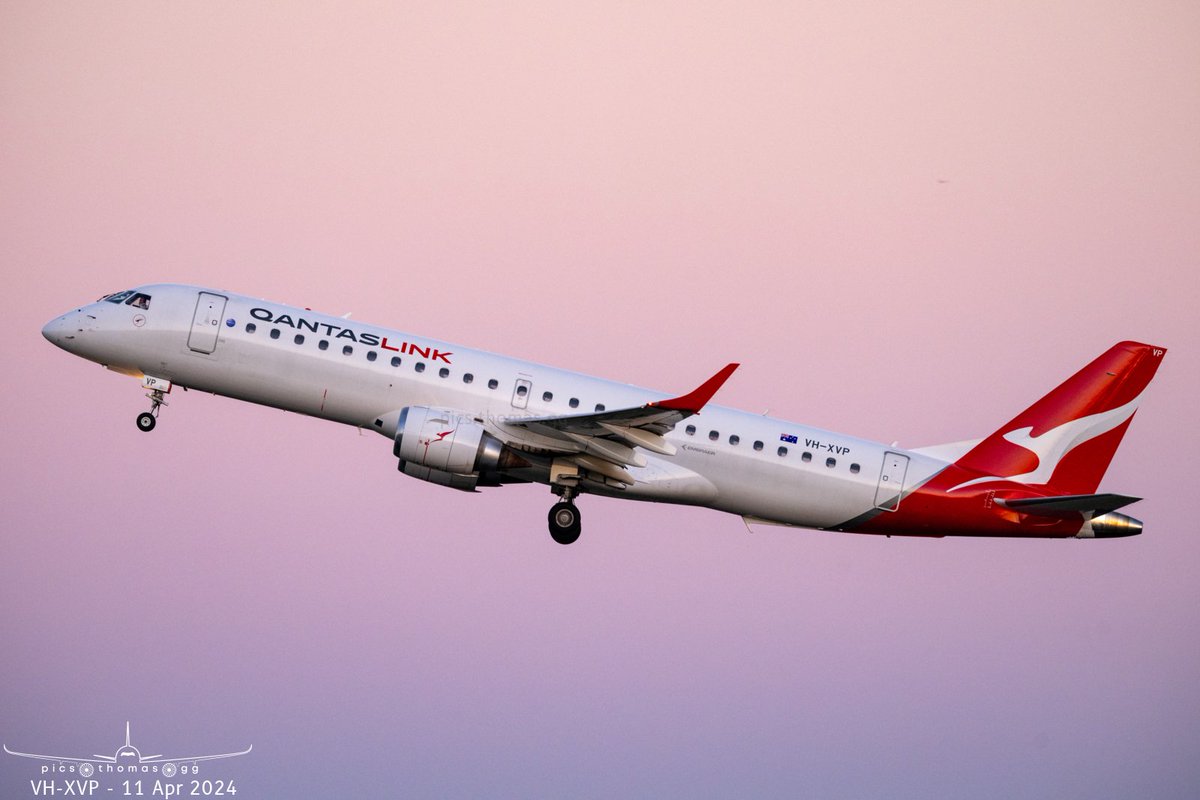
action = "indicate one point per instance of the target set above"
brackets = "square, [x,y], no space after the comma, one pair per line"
[1064,441]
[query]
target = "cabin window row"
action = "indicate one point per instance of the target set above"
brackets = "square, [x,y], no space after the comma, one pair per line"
[547,396]
[444,372]
[734,440]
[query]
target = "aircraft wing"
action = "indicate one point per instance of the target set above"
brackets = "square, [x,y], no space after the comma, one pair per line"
[603,442]
[57,758]
[160,759]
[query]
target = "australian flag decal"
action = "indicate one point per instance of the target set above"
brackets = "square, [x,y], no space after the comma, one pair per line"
[787,437]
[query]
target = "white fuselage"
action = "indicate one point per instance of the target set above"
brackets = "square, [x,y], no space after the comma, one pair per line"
[362,375]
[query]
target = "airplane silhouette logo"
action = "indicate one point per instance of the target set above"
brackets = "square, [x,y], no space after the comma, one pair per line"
[127,754]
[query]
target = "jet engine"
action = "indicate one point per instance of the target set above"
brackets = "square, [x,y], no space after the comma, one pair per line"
[439,439]
[442,447]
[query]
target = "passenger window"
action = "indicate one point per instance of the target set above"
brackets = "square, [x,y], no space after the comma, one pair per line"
[783,451]
[419,366]
[547,396]
[372,355]
[854,468]
[734,439]
[599,406]
[395,361]
[274,333]
[573,402]
[444,372]
[251,327]
[323,344]
[522,390]
[831,462]
[758,445]
[347,350]
[468,377]
[299,338]
[690,430]
[806,457]
[713,436]
[493,383]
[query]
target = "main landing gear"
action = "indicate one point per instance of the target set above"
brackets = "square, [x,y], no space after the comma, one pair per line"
[564,519]
[564,523]
[148,419]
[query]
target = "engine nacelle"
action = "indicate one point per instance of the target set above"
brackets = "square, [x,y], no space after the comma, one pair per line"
[441,440]
[466,483]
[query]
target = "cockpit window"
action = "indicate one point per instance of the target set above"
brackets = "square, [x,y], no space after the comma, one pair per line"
[118,297]
[139,300]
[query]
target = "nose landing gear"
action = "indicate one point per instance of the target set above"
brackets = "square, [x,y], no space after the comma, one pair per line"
[158,398]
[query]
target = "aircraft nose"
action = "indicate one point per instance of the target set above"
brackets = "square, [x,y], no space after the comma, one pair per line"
[54,330]
[60,331]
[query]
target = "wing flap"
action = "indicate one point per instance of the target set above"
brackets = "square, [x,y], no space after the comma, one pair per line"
[616,452]
[604,467]
[639,437]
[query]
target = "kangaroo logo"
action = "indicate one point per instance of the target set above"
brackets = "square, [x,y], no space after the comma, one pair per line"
[1053,445]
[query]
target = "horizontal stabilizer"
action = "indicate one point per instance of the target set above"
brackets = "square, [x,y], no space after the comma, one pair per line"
[1068,504]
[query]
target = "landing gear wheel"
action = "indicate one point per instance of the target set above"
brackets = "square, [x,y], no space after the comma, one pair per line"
[564,523]
[158,398]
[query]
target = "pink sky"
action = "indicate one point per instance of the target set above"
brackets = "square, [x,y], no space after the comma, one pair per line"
[906,221]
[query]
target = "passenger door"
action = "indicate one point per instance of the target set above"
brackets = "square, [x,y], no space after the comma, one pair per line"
[891,481]
[206,322]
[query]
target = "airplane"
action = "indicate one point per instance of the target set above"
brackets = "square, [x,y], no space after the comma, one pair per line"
[127,755]
[465,419]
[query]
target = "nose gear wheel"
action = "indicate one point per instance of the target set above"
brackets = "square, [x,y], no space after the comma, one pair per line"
[148,419]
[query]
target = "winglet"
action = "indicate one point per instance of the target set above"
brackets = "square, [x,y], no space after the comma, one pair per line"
[695,400]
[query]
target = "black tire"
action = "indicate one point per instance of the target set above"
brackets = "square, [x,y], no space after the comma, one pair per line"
[146,421]
[565,524]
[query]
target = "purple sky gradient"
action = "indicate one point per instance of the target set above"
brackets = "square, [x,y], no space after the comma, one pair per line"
[906,221]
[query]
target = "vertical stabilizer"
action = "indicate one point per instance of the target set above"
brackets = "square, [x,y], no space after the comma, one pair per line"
[1065,441]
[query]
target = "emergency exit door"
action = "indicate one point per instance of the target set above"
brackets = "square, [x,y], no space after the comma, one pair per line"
[521,390]
[206,323]
[891,481]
